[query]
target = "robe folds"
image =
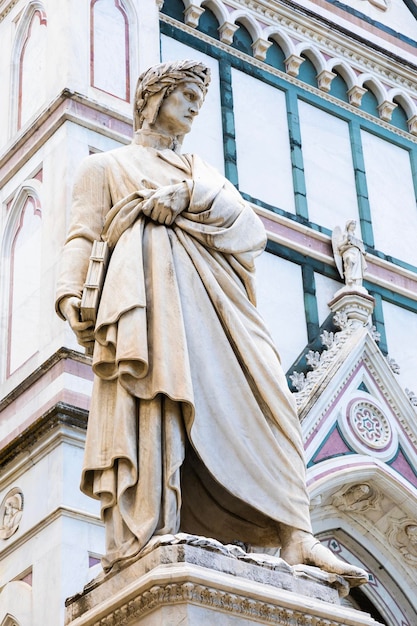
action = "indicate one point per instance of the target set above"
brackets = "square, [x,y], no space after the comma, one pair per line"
[192,426]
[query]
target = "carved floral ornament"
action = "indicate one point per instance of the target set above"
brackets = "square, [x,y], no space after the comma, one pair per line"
[11,511]
[266,26]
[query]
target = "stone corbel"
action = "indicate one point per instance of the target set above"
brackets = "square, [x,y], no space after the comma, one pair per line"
[192,14]
[227,31]
[412,125]
[355,94]
[324,79]
[385,110]
[159,4]
[292,64]
[260,47]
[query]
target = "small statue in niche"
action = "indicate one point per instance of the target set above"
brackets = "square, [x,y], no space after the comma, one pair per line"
[11,513]
[349,255]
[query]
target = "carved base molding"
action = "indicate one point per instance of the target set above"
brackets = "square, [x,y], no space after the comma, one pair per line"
[191,585]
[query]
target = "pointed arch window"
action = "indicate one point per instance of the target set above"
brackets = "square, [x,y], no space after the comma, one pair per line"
[32,67]
[24,291]
[109,48]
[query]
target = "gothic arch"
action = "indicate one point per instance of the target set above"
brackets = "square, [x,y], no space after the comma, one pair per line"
[404,100]
[344,70]
[374,86]
[369,528]
[25,204]
[283,41]
[241,17]
[16,604]
[110,51]
[34,10]
[313,54]
[218,9]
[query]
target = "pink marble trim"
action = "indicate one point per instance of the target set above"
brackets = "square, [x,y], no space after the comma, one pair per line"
[66,109]
[68,397]
[310,244]
[63,366]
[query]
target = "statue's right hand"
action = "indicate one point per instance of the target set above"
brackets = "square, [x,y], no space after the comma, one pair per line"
[84,331]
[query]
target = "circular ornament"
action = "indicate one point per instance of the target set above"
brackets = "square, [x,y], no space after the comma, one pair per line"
[11,511]
[369,425]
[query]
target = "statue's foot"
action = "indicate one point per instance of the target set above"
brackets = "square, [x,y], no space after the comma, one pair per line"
[309,551]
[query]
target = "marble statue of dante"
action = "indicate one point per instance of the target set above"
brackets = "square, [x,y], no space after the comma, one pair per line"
[192,426]
[349,253]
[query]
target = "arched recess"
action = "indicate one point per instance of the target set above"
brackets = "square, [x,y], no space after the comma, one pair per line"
[218,9]
[360,507]
[405,110]
[110,47]
[21,289]
[28,65]
[209,22]
[16,604]
[280,49]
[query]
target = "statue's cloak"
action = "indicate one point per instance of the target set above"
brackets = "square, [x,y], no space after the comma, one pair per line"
[191,425]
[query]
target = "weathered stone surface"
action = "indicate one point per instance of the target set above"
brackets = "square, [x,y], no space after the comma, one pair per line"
[208,583]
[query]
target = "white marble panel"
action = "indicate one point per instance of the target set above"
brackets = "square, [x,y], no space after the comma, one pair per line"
[281,303]
[25,287]
[33,70]
[110,41]
[262,141]
[328,167]
[401,333]
[325,291]
[206,136]
[391,197]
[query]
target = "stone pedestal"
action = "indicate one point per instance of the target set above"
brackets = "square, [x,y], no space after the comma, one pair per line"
[202,585]
[357,304]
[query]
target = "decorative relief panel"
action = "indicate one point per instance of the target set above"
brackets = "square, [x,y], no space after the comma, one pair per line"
[403,537]
[11,511]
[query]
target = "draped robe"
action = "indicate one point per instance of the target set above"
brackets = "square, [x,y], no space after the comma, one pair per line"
[192,426]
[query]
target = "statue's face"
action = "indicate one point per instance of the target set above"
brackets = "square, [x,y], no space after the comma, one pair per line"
[178,109]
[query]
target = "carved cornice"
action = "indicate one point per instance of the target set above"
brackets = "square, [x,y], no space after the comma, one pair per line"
[332,36]
[67,106]
[59,415]
[180,570]
[210,598]
[290,79]
[62,353]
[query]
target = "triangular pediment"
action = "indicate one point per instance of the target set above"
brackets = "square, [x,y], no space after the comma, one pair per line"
[351,402]
[360,432]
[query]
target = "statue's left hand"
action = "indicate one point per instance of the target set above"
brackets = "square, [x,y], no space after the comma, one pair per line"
[166,203]
[84,331]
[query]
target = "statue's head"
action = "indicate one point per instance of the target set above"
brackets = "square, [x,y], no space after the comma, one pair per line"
[351,226]
[160,81]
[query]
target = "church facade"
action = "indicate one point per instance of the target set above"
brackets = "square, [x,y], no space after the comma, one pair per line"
[312,114]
